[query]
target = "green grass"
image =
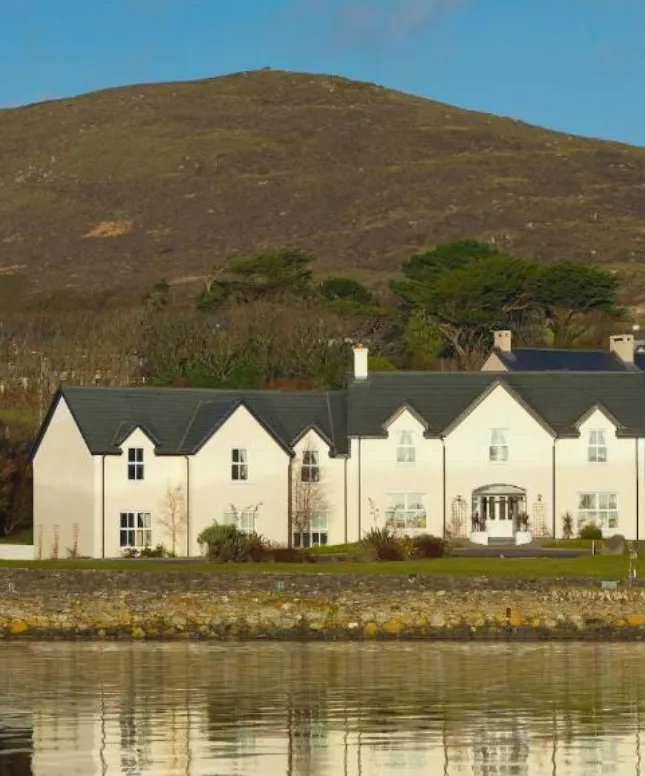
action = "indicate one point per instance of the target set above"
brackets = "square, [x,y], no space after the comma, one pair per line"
[571,544]
[598,567]
[337,549]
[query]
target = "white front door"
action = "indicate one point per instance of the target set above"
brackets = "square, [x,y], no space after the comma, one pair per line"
[499,512]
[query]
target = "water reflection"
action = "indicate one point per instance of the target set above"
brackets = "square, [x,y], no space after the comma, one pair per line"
[323,710]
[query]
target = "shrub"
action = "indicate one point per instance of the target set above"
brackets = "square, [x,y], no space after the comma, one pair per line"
[590,531]
[225,543]
[428,546]
[259,548]
[154,552]
[382,544]
[292,555]
[567,525]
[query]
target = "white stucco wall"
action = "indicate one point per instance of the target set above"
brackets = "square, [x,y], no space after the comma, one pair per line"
[17,551]
[330,491]
[147,495]
[381,475]
[212,490]
[530,452]
[64,489]
[575,474]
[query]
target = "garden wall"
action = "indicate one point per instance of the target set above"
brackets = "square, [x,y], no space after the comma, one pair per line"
[43,604]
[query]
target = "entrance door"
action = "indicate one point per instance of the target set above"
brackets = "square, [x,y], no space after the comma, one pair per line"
[500,522]
[499,506]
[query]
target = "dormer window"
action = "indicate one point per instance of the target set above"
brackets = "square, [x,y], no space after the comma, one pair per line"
[498,445]
[405,450]
[135,463]
[597,448]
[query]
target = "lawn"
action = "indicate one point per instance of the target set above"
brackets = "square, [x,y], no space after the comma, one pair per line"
[599,567]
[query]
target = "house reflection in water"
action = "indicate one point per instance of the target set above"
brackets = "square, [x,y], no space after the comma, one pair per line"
[336,710]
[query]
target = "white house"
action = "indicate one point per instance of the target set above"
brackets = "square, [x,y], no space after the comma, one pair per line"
[480,454]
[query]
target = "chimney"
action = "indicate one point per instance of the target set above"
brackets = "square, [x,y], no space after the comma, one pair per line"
[502,340]
[360,362]
[623,346]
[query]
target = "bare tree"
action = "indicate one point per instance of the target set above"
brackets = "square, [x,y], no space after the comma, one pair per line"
[310,504]
[173,516]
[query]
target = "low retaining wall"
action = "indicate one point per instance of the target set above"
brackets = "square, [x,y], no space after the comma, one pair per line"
[17,552]
[184,605]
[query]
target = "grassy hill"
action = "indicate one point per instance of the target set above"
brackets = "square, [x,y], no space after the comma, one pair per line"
[122,187]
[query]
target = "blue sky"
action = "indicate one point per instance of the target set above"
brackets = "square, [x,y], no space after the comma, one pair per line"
[574,65]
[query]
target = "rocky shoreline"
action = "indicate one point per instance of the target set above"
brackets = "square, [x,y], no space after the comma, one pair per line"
[105,605]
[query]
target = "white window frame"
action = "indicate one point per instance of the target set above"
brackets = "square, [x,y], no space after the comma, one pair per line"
[138,526]
[316,533]
[243,519]
[407,511]
[406,451]
[597,445]
[496,457]
[239,464]
[310,466]
[136,467]
[601,512]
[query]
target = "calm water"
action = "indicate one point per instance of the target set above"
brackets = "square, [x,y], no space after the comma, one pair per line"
[327,710]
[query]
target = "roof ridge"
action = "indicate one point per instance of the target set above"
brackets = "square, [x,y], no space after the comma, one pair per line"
[564,350]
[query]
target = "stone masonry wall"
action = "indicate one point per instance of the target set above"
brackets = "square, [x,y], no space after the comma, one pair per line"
[181,604]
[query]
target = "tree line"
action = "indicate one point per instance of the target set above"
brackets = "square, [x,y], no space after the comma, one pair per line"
[268,322]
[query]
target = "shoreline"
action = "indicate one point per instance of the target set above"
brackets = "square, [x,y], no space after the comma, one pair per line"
[84,605]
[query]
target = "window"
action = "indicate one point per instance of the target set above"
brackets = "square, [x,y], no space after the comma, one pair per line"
[498,447]
[598,508]
[243,520]
[135,463]
[405,451]
[597,450]
[406,511]
[136,530]
[239,464]
[315,535]
[310,469]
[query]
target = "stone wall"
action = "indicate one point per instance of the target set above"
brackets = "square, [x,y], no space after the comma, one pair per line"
[180,605]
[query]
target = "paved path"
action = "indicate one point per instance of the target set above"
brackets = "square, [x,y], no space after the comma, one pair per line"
[514,551]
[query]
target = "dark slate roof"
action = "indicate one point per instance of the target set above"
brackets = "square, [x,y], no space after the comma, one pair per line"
[559,399]
[547,359]
[180,420]
[639,360]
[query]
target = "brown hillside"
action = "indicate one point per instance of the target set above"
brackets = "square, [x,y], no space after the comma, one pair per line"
[125,186]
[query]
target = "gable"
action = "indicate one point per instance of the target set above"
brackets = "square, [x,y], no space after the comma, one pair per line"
[406,418]
[136,437]
[311,438]
[498,407]
[59,427]
[597,417]
[242,428]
